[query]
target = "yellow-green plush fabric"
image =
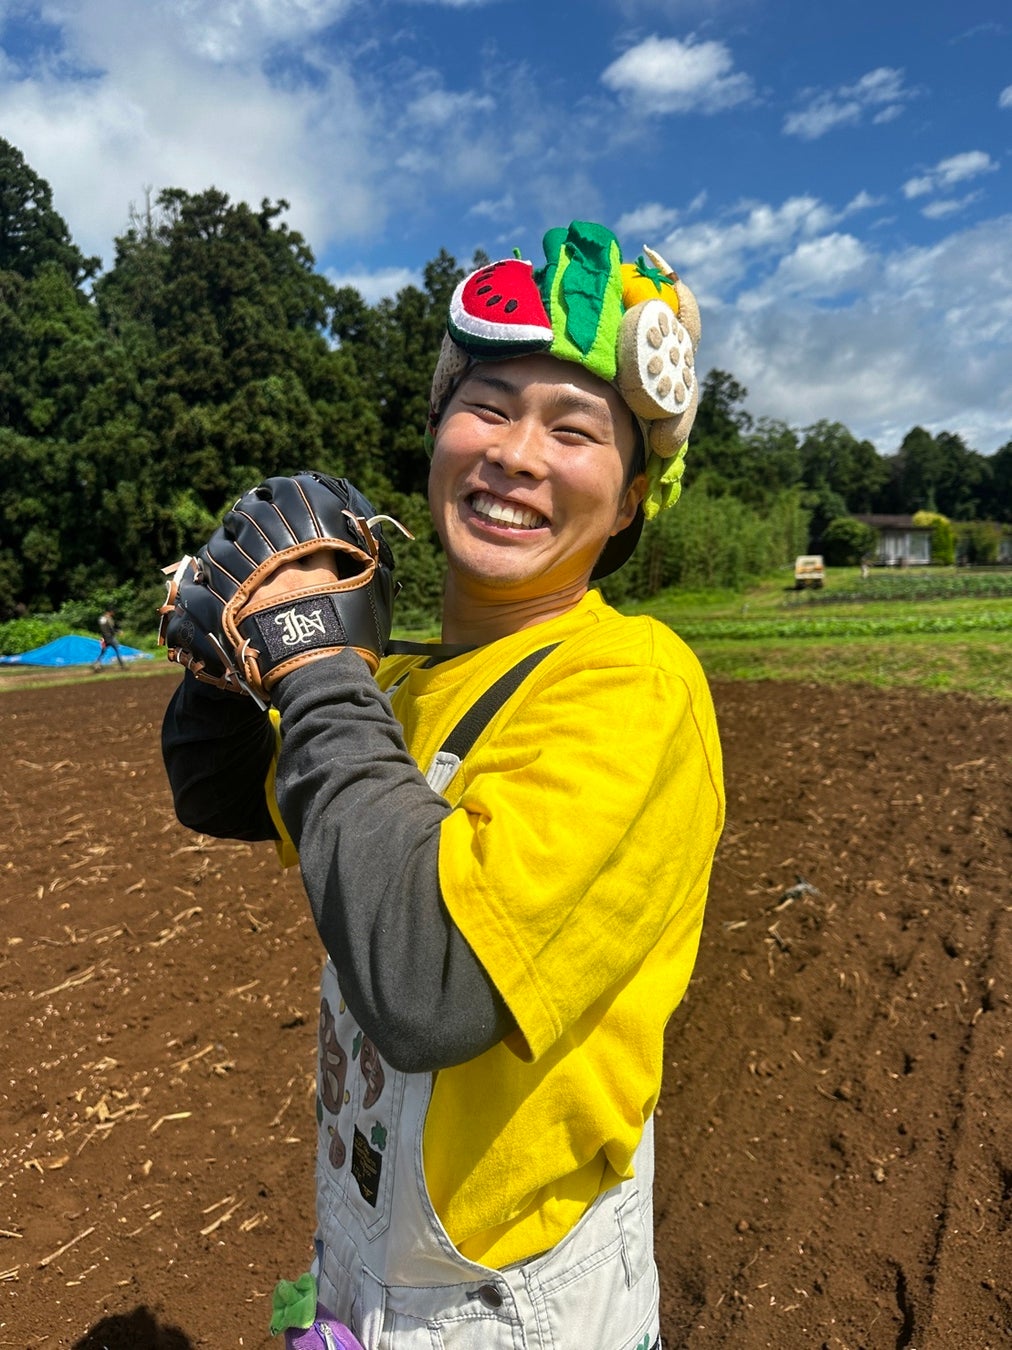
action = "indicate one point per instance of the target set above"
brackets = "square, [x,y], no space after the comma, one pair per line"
[581,286]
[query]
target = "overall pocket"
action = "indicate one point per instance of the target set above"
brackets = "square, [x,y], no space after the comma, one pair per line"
[600,1286]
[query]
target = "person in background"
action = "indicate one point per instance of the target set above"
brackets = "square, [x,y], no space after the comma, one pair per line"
[109,633]
[507,935]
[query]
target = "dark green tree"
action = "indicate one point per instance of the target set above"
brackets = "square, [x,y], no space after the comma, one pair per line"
[716,451]
[224,311]
[824,505]
[834,459]
[917,468]
[870,473]
[963,478]
[769,462]
[32,232]
[397,355]
[997,502]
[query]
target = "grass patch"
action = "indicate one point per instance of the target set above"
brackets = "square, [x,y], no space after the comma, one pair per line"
[959,645]
[921,640]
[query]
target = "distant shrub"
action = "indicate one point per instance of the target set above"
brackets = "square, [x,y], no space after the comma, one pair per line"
[943,537]
[845,541]
[709,541]
[23,635]
[978,542]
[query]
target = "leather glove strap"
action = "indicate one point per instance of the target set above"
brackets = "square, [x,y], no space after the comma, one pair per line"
[307,626]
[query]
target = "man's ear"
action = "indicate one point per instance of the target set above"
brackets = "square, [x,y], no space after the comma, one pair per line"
[632,496]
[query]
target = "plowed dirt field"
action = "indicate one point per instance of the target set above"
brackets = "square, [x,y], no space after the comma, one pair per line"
[835,1133]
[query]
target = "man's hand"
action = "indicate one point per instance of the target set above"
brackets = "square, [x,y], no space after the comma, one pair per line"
[297,571]
[315,569]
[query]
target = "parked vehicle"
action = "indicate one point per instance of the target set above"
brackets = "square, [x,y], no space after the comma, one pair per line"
[809,572]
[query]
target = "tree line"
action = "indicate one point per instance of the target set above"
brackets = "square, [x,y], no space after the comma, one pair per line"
[137,403]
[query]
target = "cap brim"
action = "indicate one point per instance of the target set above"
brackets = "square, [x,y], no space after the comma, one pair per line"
[619,548]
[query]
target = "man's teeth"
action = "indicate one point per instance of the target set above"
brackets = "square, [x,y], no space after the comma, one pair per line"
[506,513]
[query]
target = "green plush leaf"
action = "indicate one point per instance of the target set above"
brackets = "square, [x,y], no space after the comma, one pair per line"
[654,274]
[582,289]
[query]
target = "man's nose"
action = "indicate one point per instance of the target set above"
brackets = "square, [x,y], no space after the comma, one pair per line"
[520,449]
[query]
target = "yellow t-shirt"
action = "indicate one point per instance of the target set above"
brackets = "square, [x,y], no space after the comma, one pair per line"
[575,863]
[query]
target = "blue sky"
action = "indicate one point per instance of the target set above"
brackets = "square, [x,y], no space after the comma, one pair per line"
[833,181]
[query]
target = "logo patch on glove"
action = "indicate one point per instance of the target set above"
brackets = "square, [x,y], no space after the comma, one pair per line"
[291,628]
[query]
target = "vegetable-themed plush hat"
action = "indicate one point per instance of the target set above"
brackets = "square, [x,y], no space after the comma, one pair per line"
[636,325]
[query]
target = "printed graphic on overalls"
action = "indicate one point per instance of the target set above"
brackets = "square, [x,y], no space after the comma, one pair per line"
[333,1073]
[367,1152]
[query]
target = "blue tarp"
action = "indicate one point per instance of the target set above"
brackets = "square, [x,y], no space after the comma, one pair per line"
[72,651]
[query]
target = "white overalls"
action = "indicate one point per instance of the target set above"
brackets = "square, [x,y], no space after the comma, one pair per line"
[385,1265]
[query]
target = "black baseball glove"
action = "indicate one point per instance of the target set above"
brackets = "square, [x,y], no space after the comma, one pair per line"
[213,621]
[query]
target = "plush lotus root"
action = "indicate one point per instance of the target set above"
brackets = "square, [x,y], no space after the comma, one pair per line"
[688,309]
[667,435]
[656,363]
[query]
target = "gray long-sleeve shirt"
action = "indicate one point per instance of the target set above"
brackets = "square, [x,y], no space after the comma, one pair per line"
[367,828]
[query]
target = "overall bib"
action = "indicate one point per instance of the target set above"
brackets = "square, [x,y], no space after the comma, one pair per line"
[387,1268]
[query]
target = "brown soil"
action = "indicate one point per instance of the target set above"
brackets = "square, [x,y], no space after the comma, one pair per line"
[834,1141]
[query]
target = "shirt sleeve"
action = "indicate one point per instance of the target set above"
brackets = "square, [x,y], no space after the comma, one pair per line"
[367,826]
[217,748]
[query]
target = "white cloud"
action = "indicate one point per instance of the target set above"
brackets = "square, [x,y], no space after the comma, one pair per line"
[926,339]
[494,209]
[822,114]
[107,33]
[880,93]
[1005,97]
[666,75]
[158,110]
[650,221]
[376,286]
[949,206]
[817,323]
[715,255]
[918,187]
[882,85]
[438,108]
[950,172]
[821,268]
[244,96]
[961,167]
[863,201]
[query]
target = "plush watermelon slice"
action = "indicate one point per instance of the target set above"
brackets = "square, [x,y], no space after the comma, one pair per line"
[498,311]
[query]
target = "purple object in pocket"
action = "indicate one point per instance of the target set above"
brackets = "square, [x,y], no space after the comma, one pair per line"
[324,1334]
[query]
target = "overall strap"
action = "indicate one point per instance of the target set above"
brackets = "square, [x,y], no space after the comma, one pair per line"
[435,651]
[463,736]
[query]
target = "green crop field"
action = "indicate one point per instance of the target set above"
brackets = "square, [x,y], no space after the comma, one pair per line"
[926,628]
[929,629]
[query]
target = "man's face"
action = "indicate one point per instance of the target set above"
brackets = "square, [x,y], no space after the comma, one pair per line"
[529,476]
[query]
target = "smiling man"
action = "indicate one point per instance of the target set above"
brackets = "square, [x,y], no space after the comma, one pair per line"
[536,464]
[509,922]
